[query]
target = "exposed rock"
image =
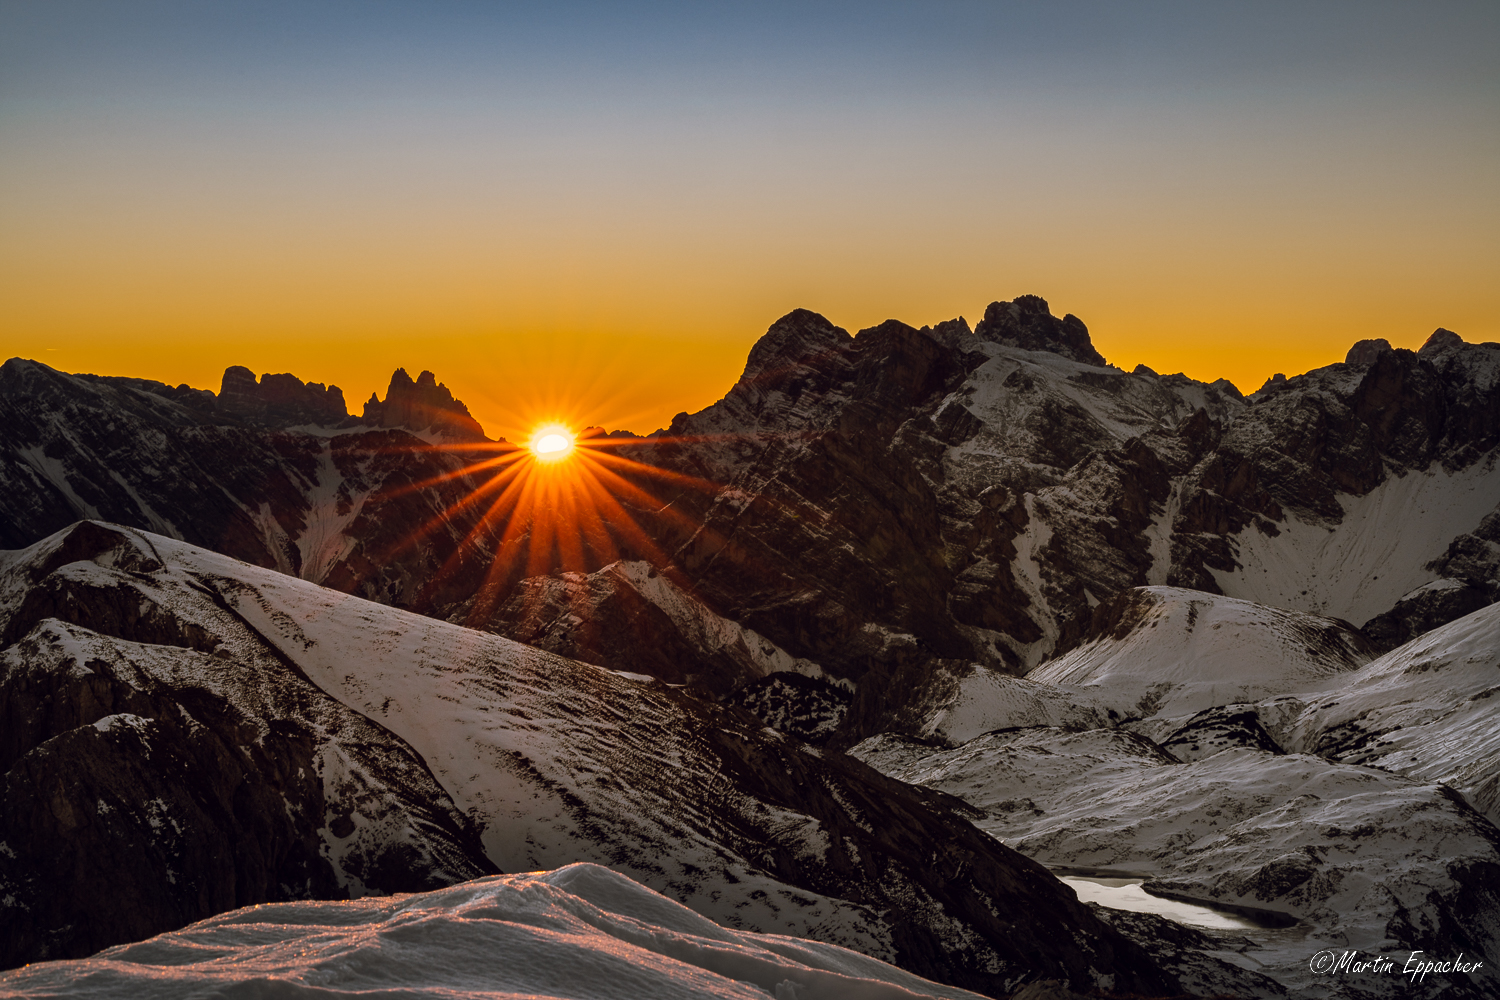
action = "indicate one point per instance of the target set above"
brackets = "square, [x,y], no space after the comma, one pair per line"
[1441,340]
[1028,323]
[1365,352]
[1220,728]
[280,400]
[808,708]
[423,405]
[1425,609]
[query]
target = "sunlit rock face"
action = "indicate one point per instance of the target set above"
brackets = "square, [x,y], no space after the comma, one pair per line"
[185,734]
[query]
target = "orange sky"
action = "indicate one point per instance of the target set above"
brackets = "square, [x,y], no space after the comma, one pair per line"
[603,245]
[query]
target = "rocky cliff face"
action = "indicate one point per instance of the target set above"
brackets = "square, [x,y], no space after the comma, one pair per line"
[280,400]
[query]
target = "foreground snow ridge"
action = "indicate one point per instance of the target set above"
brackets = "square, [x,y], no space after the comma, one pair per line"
[581,932]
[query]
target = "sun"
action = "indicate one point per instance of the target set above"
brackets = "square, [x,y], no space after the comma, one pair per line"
[558,499]
[551,443]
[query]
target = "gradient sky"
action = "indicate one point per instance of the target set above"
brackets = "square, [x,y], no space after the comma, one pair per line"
[589,212]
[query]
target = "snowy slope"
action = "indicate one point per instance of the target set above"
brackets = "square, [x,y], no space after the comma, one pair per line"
[1172,652]
[1376,553]
[1363,858]
[956,704]
[672,636]
[552,761]
[1370,845]
[579,933]
[1427,709]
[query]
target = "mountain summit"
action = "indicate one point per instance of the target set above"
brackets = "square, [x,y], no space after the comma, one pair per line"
[423,405]
[1028,323]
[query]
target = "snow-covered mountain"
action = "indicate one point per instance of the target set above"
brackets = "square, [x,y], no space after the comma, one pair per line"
[1248,757]
[187,733]
[894,504]
[1240,647]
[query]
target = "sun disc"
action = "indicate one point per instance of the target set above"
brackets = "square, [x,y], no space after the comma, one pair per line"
[551,444]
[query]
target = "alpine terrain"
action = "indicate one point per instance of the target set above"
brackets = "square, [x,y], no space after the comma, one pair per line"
[822,691]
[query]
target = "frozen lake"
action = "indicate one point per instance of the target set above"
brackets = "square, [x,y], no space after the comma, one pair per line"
[1127,894]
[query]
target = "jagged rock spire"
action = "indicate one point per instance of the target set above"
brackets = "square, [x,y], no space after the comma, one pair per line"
[425,404]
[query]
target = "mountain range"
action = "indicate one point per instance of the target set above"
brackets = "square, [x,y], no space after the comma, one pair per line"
[863,649]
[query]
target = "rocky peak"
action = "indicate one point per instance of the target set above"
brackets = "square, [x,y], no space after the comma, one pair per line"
[1441,340]
[1367,351]
[900,366]
[1275,383]
[796,339]
[280,400]
[1028,323]
[425,404]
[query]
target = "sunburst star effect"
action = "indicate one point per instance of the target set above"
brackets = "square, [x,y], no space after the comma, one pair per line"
[559,505]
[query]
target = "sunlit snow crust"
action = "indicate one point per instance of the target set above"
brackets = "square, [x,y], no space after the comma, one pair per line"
[579,933]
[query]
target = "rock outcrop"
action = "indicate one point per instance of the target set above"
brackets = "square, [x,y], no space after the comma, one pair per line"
[1028,323]
[423,405]
[280,400]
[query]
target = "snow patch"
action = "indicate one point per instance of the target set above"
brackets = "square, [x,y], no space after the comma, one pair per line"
[1360,567]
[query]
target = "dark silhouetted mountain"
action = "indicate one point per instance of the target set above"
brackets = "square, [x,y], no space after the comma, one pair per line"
[423,405]
[280,400]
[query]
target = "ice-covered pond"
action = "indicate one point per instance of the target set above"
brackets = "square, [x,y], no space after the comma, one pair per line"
[1127,894]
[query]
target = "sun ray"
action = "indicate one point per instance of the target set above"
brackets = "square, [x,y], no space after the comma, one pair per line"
[562,502]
